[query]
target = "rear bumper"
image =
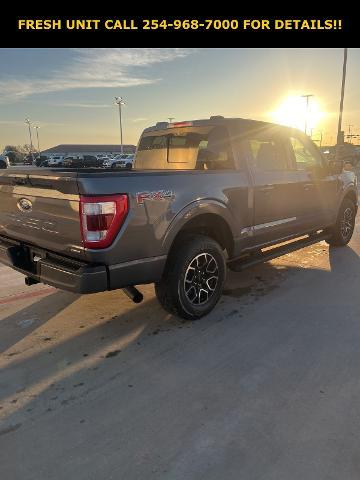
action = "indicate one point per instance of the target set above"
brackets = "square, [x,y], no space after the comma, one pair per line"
[74,276]
[53,270]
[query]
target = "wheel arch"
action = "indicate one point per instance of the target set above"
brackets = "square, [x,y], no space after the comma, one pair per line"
[212,220]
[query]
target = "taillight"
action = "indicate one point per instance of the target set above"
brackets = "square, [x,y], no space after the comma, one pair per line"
[101,219]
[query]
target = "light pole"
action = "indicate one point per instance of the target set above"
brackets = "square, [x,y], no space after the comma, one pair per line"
[307,109]
[119,101]
[27,121]
[171,119]
[340,133]
[37,136]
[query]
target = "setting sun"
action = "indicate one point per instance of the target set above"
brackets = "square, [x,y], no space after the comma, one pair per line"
[294,112]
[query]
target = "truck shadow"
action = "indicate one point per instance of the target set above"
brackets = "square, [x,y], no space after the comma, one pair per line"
[344,260]
[53,373]
[65,372]
[21,324]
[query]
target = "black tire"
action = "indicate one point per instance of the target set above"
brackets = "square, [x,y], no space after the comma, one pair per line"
[343,229]
[198,262]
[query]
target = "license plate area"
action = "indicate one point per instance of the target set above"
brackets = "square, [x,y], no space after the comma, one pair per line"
[25,258]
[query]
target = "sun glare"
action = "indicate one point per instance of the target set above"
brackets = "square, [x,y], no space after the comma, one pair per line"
[293,112]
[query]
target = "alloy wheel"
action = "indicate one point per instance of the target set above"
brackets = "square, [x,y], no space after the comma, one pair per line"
[201,278]
[346,224]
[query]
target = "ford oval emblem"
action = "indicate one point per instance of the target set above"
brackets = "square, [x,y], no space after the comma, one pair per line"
[24,205]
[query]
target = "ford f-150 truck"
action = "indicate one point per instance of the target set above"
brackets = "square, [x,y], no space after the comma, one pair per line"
[203,194]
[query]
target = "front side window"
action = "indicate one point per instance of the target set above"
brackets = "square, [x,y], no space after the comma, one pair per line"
[305,157]
[268,154]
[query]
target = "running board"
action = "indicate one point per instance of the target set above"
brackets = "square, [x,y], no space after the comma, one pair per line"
[237,264]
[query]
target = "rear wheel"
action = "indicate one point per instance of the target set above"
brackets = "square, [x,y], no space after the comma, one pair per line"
[342,231]
[194,277]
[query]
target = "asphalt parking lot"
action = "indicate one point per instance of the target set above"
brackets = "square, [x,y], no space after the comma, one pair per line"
[265,387]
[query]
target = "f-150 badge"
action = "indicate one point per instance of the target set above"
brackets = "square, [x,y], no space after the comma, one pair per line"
[157,195]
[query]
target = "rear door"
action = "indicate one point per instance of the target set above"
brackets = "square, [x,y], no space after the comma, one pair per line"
[276,187]
[42,210]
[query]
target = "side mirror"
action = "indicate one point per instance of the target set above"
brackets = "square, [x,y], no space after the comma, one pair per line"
[348,166]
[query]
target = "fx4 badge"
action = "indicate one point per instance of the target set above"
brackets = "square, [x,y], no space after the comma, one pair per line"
[158,195]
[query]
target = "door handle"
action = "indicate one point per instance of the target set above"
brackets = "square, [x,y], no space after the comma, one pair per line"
[307,186]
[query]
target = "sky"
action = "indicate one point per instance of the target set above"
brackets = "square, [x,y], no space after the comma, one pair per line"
[70,93]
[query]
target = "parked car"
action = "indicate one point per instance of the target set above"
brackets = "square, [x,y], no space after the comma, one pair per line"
[28,160]
[125,161]
[85,161]
[55,160]
[41,161]
[103,159]
[4,161]
[120,161]
[73,161]
[107,161]
[204,194]
[14,156]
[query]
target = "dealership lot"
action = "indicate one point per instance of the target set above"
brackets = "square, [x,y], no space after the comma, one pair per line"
[97,387]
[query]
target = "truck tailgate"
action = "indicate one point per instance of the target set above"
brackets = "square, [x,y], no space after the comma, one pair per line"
[41,208]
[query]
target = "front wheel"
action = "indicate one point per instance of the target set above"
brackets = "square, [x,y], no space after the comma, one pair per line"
[342,231]
[194,277]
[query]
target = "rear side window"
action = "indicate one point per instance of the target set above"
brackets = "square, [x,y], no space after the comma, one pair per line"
[268,154]
[153,143]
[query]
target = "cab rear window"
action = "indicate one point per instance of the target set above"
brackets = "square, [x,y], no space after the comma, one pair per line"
[198,148]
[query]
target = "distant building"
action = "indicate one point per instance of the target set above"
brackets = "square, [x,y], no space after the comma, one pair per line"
[69,150]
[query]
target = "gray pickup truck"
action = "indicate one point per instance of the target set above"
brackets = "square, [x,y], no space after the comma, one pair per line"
[203,194]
